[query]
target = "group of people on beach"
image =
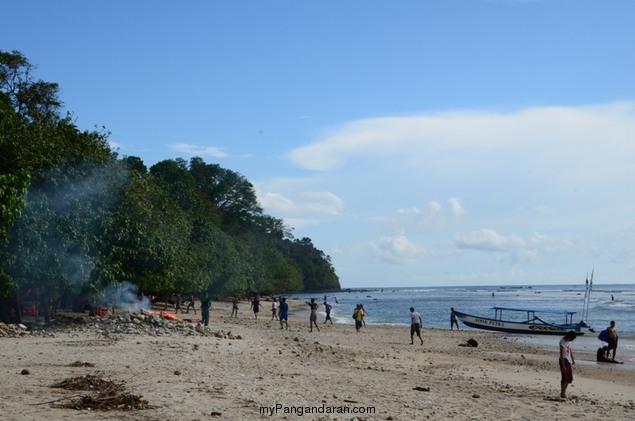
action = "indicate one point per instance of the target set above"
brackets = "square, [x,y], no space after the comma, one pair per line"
[610,336]
[280,312]
[179,301]
[189,301]
[566,360]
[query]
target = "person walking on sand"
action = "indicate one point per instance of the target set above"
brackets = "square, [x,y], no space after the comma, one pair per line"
[234,307]
[453,320]
[177,304]
[566,362]
[313,316]
[255,305]
[190,303]
[274,309]
[612,340]
[358,314]
[205,306]
[284,313]
[327,309]
[415,325]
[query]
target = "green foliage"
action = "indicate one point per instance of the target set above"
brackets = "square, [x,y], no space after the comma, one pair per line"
[75,220]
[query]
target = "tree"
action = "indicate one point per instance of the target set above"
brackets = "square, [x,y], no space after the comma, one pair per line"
[34,99]
[232,194]
[76,221]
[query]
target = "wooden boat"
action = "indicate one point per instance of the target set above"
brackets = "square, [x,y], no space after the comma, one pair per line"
[531,324]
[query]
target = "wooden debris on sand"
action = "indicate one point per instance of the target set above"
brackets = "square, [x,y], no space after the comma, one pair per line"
[110,395]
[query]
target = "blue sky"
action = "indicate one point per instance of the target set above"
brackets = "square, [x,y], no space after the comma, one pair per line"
[417,143]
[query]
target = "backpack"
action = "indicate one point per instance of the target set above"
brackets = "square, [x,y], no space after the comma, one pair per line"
[472,342]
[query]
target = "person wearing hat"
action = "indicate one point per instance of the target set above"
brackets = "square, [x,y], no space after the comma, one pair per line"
[415,325]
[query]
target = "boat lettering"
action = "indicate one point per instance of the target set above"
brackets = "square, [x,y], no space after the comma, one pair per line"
[543,328]
[488,322]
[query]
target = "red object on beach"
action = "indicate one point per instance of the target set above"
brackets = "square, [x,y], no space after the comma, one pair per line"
[30,310]
[167,315]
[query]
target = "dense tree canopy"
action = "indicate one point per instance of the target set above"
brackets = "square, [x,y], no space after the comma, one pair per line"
[76,220]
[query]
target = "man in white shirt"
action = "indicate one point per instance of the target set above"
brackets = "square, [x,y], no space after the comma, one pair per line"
[415,325]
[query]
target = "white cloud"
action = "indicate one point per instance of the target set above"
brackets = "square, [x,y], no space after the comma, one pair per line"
[409,211]
[456,207]
[396,249]
[487,240]
[199,150]
[599,137]
[434,208]
[302,203]
[421,185]
[511,248]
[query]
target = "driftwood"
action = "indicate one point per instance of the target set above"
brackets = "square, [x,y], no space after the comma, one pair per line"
[107,401]
[109,395]
[88,382]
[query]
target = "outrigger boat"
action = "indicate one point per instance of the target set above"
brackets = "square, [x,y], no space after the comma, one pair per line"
[531,325]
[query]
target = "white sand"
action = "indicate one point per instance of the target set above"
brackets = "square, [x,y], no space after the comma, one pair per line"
[335,368]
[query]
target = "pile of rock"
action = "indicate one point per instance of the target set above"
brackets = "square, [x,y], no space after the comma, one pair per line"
[126,324]
[18,330]
[13,330]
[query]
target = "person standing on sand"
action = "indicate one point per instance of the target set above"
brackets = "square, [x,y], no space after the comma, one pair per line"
[327,309]
[415,325]
[566,362]
[274,310]
[234,307]
[205,306]
[313,316]
[284,313]
[255,305]
[177,304]
[358,315]
[453,320]
[612,340]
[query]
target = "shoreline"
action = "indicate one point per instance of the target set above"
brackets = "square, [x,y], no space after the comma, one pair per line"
[237,366]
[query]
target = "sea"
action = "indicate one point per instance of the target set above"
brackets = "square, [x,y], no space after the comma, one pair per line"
[390,306]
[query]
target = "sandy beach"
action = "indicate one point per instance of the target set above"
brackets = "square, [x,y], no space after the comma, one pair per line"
[238,367]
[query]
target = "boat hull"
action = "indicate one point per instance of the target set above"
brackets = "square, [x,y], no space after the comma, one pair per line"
[532,328]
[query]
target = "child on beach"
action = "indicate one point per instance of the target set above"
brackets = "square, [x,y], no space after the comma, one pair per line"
[566,361]
[274,309]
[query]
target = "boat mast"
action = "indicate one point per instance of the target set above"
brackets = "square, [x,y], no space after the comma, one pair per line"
[587,297]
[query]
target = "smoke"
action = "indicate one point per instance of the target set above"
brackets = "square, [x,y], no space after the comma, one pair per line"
[125,296]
